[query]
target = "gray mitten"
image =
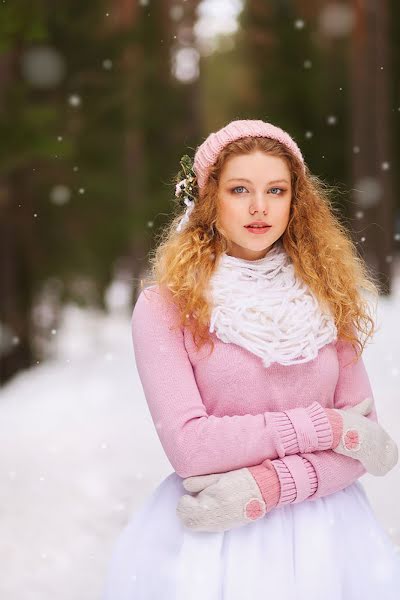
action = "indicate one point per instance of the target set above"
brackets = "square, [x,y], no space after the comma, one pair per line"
[366,440]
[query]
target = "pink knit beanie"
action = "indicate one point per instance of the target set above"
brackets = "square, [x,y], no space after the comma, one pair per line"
[207,152]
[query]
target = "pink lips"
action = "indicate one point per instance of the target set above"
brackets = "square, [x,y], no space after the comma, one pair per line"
[258,230]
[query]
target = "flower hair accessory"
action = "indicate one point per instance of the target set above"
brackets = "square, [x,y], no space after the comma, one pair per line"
[186,188]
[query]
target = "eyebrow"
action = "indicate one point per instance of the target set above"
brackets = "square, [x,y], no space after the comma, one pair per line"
[248,180]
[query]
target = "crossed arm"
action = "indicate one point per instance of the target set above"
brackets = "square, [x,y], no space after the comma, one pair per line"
[197,443]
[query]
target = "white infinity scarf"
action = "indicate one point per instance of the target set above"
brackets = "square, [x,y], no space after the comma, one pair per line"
[264,307]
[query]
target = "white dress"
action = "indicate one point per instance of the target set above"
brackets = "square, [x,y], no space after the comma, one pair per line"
[330,549]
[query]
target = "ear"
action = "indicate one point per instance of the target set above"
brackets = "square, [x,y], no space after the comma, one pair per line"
[199,482]
[364,407]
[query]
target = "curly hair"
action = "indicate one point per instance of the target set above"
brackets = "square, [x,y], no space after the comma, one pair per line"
[319,245]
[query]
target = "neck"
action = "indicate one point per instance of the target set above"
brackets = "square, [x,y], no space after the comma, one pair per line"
[272,251]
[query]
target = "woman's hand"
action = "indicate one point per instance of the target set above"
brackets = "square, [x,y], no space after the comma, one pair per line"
[366,440]
[223,501]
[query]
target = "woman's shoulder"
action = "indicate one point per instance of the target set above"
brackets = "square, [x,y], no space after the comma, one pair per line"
[155,293]
[156,300]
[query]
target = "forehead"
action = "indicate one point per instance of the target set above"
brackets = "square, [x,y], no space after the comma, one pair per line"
[255,165]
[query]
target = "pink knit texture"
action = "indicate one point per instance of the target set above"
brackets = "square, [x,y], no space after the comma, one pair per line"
[268,483]
[292,481]
[218,412]
[336,422]
[207,153]
[351,440]
[303,430]
[254,509]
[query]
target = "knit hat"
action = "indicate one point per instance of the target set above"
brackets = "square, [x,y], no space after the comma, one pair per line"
[207,152]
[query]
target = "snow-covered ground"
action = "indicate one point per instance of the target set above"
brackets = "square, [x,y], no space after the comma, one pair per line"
[79,453]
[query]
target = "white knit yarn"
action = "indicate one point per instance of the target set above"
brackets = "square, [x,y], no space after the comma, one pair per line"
[264,307]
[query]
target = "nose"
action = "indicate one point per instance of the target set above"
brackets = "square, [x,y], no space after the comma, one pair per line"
[259,203]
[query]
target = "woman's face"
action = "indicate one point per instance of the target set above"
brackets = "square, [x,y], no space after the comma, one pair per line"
[254,187]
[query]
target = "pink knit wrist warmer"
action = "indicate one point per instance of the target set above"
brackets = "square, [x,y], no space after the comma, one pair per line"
[301,430]
[290,492]
[268,482]
[336,422]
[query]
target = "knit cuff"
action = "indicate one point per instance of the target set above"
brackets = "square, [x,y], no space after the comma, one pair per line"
[288,493]
[336,422]
[268,482]
[301,430]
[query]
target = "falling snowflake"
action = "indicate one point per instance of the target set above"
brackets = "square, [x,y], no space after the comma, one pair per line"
[60,194]
[299,24]
[74,100]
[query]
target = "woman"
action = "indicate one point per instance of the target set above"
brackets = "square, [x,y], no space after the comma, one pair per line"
[271,429]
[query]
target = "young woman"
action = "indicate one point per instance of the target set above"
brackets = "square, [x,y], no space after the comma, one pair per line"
[268,429]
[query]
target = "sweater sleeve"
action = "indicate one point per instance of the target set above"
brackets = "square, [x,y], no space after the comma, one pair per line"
[197,443]
[314,475]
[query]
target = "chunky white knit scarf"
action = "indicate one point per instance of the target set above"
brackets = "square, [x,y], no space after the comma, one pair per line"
[264,307]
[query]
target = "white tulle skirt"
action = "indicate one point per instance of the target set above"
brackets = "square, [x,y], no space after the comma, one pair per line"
[332,548]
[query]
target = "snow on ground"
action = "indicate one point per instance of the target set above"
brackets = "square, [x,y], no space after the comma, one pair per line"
[79,453]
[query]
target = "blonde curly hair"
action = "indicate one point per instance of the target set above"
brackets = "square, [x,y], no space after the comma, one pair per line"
[318,243]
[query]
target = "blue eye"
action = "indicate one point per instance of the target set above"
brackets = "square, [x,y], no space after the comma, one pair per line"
[238,187]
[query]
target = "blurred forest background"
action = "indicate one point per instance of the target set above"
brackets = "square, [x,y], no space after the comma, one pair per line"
[99,100]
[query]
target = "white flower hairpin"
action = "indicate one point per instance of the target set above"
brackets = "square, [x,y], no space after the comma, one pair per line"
[186,188]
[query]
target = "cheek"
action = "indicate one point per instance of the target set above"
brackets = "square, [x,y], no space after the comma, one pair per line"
[229,212]
[224,217]
[283,211]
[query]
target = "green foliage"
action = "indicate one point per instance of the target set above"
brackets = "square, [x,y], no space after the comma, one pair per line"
[21,22]
[186,177]
[113,152]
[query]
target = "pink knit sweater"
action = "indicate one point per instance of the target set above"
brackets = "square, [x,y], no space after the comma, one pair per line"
[225,411]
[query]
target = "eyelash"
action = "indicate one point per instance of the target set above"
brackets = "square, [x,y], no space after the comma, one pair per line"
[273,188]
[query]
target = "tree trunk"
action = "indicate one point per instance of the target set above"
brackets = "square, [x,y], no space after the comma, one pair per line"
[372,209]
